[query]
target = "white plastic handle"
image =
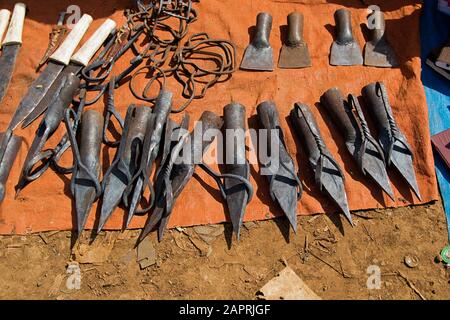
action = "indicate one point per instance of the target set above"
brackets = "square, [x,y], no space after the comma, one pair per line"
[66,49]
[4,19]
[90,47]
[14,33]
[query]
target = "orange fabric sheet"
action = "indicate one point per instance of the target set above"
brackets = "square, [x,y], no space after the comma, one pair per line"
[46,203]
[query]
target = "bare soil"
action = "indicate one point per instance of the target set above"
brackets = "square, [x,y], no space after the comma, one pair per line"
[201,263]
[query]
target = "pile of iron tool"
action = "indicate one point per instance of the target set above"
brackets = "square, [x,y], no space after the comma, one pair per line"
[345,50]
[61,93]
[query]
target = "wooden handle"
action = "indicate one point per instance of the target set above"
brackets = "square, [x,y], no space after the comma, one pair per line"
[14,33]
[66,49]
[4,19]
[90,47]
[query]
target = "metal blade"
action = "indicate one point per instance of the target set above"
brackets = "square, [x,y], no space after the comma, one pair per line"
[294,57]
[36,93]
[7,62]
[258,59]
[346,54]
[153,220]
[402,160]
[375,167]
[333,183]
[284,190]
[7,162]
[45,102]
[85,195]
[237,197]
[115,186]
[379,54]
[136,197]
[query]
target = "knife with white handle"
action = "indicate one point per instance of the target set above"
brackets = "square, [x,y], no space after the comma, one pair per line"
[11,44]
[57,62]
[78,61]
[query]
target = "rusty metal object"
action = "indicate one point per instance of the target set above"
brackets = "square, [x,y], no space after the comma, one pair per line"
[178,168]
[51,121]
[345,51]
[259,54]
[278,166]
[238,194]
[328,174]
[397,151]
[378,52]
[234,184]
[294,53]
[126,160]
[85,184]
[56,37]
[348,117]
[141,179]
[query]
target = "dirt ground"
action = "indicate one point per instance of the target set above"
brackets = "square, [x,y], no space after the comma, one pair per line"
[199,263]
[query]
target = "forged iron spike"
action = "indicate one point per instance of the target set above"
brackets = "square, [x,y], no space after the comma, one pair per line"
[237,195]
[7,163]
[178,169]
[259,54]
[345,51]
[328,174]
[396,149]
[285,187]
[125,162]
[378,52]
[85,183]
[358,140]
[172,136]
[141,179]
[51,121]
[135,185]
[294,53]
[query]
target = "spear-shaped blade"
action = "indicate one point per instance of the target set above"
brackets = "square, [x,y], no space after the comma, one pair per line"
[237,195]
[358,140]
[85,184]
[125,163]
[178,170]
[285,187]
[328,174]
[141,179]
[396,149]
